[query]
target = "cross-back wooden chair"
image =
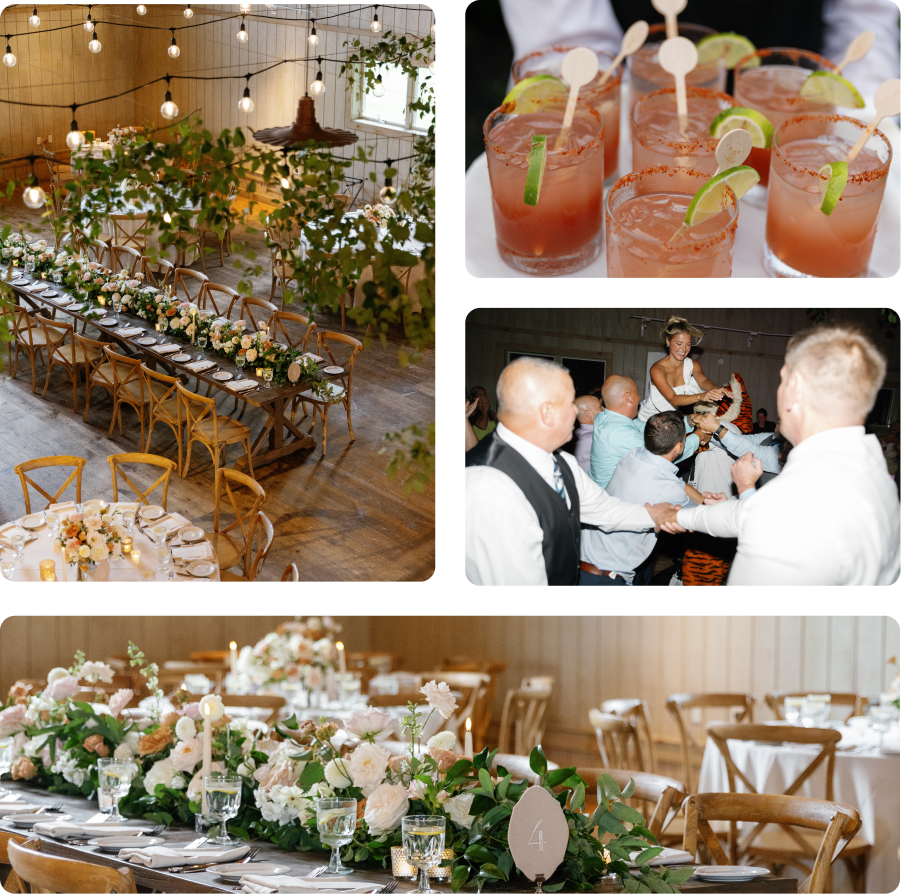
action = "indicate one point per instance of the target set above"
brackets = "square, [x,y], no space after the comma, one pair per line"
[22,469]
[232,542]
[297,340]
[281,239]
[191,238]
[211,237]
[220,298]
[692,752]
[12,883]
[123,257]
[477,697]
[204,425]
[829,823]
[126,234]
[118,460]
[618,741]
[98,372]
[291,573]
[183,276]
[65,351]
[261,542]
[163,396]
[853,700]
[637,709]
[784,845]
[523,719]
[158,274]
[338,394]
[98,247]
[517,765]
[130,389]
[263,314]
[29,338]
[272,703]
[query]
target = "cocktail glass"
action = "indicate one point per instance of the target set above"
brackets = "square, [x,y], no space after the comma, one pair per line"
[114,777]
[562,232]
[336,820]
[604,99]
[645,237]
[802,241]
[423,841]
[768,81]
[223,800]
[657,135]
[646,75]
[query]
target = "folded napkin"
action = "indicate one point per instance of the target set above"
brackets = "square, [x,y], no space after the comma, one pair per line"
[286,884]
[129,330]
[164,857]
[62,507]
[200,551]
[170,524]
[167,349]
[121,507]
[200,365]
[17,807]
[242,385]
[38,287]
[314,357]
[10,530]
[65,829]
[669,857]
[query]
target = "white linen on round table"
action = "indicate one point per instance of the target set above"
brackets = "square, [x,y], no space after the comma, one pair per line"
[868,782]
[117,570]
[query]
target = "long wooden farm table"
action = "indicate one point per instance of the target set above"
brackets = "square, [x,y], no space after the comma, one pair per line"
[279,436]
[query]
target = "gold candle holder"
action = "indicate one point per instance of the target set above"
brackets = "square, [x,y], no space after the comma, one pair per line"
[126,544]
[48,569]
[136,556]
[401,868]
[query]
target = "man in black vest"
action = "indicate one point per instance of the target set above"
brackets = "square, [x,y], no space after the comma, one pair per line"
[525,498]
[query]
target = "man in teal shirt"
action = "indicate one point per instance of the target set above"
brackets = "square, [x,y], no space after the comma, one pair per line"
[617,431]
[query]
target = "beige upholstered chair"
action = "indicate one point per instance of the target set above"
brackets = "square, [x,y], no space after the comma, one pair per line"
[829,823]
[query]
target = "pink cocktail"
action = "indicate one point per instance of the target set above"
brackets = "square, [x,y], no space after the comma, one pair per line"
[801,240]
[604,99]
[645,235]
[660,138]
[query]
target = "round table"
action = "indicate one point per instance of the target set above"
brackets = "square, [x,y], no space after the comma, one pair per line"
[118,570]
[864,779]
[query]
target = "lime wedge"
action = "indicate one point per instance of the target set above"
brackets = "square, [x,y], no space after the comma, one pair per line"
[709,199]
[537,161]
[837,172]
[735,46]
[527,93]
[747,119]
[831,89]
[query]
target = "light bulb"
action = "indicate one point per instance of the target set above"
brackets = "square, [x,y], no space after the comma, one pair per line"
[188,13]
[9,60]
[313,39]
[242,34]
[245,8]
[245,103]
[318,87]
[379,88]
[89,23]
[75,138]
[432,29]
[432,66]
[34,19]
[388,195]
[95,46]
[34,196]
[169,109]
[376,25]
[141,10]
[167,217]
[173,51]
[286,184]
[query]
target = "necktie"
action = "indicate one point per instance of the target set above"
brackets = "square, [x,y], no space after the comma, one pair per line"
[558,481]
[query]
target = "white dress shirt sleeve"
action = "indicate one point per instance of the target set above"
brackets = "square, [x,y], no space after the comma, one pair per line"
[597,507]
[536,23]
[719,520]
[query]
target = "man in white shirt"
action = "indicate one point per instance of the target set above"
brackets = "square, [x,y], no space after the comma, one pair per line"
[524,501]
[588,406]
[796,530]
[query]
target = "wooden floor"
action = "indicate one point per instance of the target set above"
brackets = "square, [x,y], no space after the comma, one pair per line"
[339,517]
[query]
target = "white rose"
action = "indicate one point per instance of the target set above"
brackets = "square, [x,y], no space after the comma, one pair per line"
[99,553]
[337,773]
[217,709]
[367,766]
[385,808]
[458,809]
[123,752]
[162,772]
[445,740]
[84,551]
[185,729]
[56,674]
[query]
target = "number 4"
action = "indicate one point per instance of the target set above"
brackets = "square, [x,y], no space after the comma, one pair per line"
[540,842]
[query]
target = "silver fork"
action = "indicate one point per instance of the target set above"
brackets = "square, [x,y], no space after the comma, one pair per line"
[389,888]
[317,872]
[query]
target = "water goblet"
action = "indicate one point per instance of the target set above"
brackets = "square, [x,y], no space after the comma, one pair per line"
[792,707]
[53,522]
[423,840]
[117,304]
[336,819]
[8,569]
[159,533]
[201,342]
[128,520]
[881,718]
[267,376]
[223,800]
[240,360]
[29,264]
[163,324]
[17,541]
[823,704]
[164,555]
[6,760]
[114,777]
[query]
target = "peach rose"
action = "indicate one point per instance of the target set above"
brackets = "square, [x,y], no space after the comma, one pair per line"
[154,743]
[171,718]
[19,690]
[444,759]
[23,768]
[96,744]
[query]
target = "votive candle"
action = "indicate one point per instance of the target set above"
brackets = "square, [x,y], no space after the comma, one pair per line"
[126,543]
[135,556]
[48,569]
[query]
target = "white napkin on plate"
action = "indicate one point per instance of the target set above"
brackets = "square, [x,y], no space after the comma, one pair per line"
[200,365]
[77,830]
[128,330]
[121,507]
[314,357]
[163,857]
[167,349]
[62,507]
[242,385]
[201,551]
[670,856]
[18,807]
[286,884]
[170,524]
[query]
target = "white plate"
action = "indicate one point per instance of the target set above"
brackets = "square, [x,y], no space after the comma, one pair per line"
[201,568]
[109,321]
[114,844]
[152,512]
[334,370]
[181,357]
[94,504]
[145,341]
[49,293]
[237,870]
[29,819]
[191,535]
[31,522]
[730,873]
[222,376]
[75,307]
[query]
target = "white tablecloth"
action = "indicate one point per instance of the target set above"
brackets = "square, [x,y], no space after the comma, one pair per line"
[869,782]
[118,570]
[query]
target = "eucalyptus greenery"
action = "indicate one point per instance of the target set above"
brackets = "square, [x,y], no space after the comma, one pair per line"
[160,177]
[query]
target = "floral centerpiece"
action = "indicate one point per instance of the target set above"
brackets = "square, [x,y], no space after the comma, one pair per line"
[86,538]
[378,214]
[37,254]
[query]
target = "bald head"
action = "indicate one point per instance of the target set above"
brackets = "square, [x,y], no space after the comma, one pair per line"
[620,394]
[587,407]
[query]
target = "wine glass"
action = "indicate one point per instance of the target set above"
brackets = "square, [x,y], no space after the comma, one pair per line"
[53,522]
[423,840]
[6,760]
[267,376]
[336,819]
[17,541]
[201,342]
[223,800]
[115,780]
[793,709]
[159,534]
[128,520]
[164,554]
[881,718]
[240,360]
[117,304]
[163,324]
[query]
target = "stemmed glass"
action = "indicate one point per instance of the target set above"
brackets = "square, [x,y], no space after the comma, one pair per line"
[6,755]
[53,522]
[164,554]
[117,305]
[423,840]
[336,820]
[159,534]
[115,780]
[17,541]
[223,800]
[8,569]
[128,521]
[240,360]
[793,709]
[201,342]
[267,376]
[881,717]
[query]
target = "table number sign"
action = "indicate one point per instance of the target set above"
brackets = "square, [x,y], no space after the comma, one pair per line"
[538,834]
[293,372]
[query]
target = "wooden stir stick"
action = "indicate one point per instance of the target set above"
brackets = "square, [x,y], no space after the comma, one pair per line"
[887,100]
[578,69]
[860,46]
[678,56]
[669,9]
[732,150]
[633,41]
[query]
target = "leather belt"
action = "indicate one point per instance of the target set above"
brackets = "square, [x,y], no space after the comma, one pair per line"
[588,568]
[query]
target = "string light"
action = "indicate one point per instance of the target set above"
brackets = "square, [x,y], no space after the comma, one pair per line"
[188,13]
[167,217]
[379,88]
[89,24]
[318,86]
[242,34]
[168,109]
[245,103]
[95,46]
[141,10]
[376,25]
[34,19]
[33,196]
[9,59]
[74,138]
[388,193]
[313,39]
[286,173]
[245,8]
[173,51]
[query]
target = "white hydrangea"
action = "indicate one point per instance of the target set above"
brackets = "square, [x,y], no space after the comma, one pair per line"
[67,765]
[283,804]
[445,739]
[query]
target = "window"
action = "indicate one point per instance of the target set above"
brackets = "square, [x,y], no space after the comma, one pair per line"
[391,112]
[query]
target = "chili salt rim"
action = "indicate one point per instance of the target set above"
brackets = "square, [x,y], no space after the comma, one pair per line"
[659,28]
[689,147]
[792,53]
[587,92]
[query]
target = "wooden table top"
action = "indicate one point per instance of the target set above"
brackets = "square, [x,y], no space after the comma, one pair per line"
[299,862]
[257,398]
